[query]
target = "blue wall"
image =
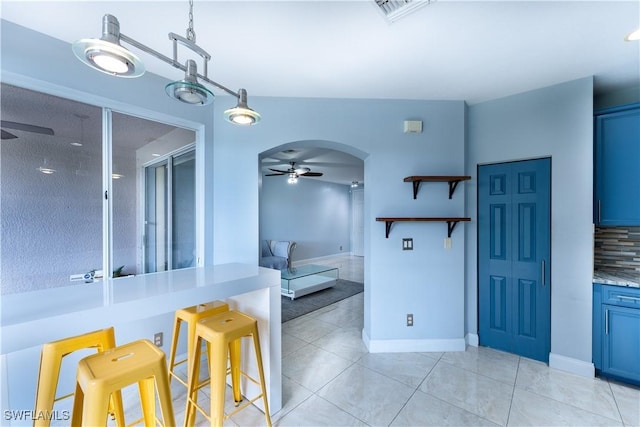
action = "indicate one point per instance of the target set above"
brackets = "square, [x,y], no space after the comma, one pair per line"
[437,285]
[556,121]
[428,281]
[313,213]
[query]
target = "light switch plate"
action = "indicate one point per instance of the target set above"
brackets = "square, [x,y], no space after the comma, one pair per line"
[407,244]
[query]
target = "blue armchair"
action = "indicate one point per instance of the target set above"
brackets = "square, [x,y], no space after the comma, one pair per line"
[276,254]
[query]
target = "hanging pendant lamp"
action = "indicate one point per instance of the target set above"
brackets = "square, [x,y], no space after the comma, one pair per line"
[107,55]
[241,114]
[189,90]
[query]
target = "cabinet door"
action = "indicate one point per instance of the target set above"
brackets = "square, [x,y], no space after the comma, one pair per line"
[617,168]
[597,327]
[621,355]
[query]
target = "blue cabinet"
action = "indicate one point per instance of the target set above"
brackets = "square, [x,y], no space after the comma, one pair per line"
[617,166]
[616,340]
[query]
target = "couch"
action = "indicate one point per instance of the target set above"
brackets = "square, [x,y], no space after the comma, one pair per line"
[276,254]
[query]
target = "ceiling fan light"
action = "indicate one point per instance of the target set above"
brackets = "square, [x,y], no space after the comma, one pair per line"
[241,114]
[106,54]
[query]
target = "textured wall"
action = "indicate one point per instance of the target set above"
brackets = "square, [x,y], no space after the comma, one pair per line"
[617,249]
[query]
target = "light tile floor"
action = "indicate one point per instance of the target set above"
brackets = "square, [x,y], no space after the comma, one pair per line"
[329,379]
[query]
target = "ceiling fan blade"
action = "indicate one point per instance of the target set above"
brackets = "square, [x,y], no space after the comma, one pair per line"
[274,174]
[311,174]
[303,170]
[281,172]
[25,127]
[7,135]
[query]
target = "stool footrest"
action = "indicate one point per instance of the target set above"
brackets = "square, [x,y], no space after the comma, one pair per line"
[240,407]
[141,421]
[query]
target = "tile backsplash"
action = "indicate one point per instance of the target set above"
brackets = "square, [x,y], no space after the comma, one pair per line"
[617,249]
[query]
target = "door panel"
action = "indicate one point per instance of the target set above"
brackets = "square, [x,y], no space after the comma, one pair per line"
[498,311]
[514,245]
[527,308]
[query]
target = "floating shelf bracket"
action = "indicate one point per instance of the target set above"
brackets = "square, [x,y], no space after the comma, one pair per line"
[450,226]
[451,180]
[451,222]
[387,226]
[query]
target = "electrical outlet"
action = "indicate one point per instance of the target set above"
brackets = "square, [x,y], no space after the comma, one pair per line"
[157,339]
[409,319]
[447,242]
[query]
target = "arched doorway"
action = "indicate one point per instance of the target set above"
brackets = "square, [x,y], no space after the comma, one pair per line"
[312,192]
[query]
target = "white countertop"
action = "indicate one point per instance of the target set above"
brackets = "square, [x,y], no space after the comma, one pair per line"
[26,317]
[617,279]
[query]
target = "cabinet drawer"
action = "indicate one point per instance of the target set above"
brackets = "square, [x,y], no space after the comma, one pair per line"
[621,296]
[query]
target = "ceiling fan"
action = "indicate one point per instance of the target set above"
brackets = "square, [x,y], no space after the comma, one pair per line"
[22,127]
[294,172]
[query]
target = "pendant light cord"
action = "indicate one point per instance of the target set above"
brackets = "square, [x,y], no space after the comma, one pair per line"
[191,34]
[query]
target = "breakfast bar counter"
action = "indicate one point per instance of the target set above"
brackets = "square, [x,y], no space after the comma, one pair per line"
[136,307]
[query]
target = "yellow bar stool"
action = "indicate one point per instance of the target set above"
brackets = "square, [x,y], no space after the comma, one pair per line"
[49,373]
[100,375]
[190,316]
[223,332]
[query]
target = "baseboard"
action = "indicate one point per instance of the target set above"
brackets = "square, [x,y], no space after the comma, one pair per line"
[574,366]
[410,346]
[324,257]
[472,340]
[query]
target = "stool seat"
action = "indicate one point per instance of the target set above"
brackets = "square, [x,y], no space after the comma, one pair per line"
[102,374]
[223,333]
[49,373]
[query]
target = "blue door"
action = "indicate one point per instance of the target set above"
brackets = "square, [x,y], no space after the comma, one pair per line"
[514,287]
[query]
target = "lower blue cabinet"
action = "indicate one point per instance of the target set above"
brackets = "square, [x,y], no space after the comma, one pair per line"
[618,355]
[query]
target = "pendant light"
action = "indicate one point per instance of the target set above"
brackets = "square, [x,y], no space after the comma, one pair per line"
[109,56]
[189,90]
[241,114]
[633,36]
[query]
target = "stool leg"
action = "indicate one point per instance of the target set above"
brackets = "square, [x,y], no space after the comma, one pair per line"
[95,409]
[263,387]
[118,408]
[174,344]
[192,389]
[218,370]
[235,352]
[78,403]
[191,338]
[164,398]
[147,390]
[50,361]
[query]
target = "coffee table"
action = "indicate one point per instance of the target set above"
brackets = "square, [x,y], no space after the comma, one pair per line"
[303,280]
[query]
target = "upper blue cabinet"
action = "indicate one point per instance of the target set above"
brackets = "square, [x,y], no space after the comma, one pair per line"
[617,166]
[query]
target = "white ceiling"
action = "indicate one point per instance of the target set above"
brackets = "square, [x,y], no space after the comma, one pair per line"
[449,50]
[463,50]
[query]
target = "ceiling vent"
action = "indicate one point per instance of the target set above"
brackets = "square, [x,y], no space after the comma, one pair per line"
[396,9]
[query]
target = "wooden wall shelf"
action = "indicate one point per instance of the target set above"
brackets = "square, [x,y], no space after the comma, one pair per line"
[451,222]
[453,181]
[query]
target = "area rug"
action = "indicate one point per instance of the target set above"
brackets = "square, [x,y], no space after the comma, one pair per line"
[308,303]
